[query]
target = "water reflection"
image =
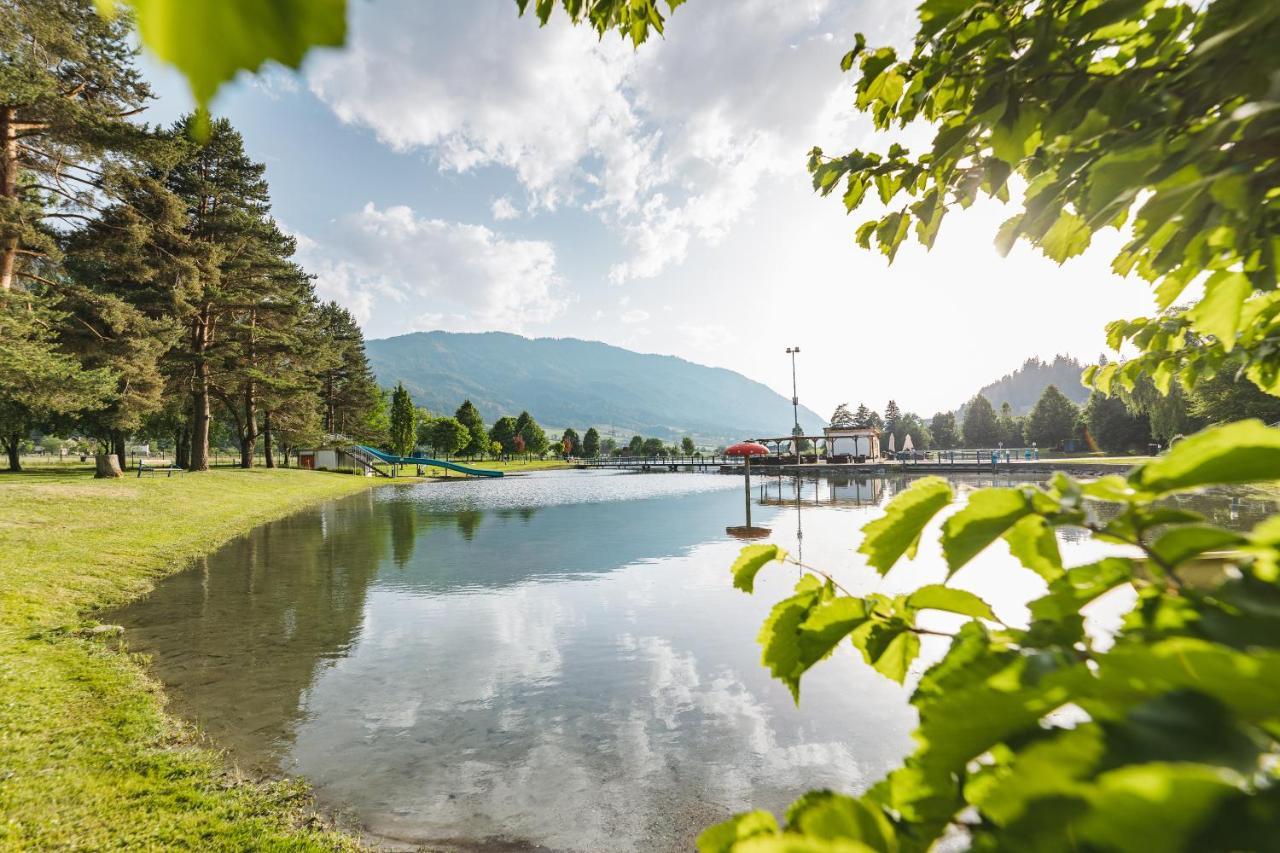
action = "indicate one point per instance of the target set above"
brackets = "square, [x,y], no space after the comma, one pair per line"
[555,660]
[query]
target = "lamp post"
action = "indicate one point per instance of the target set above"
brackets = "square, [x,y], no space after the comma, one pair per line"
[795,399]
[796,431]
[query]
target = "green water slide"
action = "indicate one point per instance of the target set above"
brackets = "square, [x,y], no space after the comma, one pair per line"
[391,459]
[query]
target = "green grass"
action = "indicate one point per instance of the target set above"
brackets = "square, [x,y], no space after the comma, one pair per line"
[88,757]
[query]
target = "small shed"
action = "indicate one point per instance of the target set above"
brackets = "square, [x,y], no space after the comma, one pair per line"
[329,459]
[854,442]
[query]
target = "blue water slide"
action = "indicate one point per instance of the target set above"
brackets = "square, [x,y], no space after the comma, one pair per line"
[391,459]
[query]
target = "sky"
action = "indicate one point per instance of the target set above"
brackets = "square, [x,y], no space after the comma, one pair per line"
[457,167]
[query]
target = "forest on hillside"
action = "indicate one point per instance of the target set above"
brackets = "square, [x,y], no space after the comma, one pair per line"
[1023,387]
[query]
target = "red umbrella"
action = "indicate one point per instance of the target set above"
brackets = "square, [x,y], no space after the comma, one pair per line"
[748,449]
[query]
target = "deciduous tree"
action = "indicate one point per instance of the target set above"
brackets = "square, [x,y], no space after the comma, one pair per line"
[943,429]
[981,427]
[1053,419]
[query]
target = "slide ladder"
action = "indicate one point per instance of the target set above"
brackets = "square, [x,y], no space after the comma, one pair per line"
[392,459]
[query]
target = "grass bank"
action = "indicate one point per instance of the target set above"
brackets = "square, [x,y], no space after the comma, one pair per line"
[88,758]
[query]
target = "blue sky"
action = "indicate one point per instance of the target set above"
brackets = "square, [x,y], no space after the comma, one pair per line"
[456,167]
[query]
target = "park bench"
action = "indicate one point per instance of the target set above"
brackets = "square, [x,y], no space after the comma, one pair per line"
[156,469]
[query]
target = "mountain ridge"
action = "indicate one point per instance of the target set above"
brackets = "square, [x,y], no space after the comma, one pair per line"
[575,382]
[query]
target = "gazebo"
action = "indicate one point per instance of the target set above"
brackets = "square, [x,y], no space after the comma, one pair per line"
[850,443]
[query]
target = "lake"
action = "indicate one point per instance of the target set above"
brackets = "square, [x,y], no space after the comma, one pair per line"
[556,660]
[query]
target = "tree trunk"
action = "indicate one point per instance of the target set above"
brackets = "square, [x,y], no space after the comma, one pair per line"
[182,447]
[13,445]
[200,394]
[8,190]
[268,459]
[117,446]
[249,433]
[106,466]
[328,405]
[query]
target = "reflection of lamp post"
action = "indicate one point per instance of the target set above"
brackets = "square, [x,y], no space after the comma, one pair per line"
[747,449]
[799,529]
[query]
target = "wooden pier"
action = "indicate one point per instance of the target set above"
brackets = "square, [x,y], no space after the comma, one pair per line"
[767,467]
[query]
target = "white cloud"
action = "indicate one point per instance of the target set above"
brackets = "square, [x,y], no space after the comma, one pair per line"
[635,315]
[667,145]
[400,272]
[504,209]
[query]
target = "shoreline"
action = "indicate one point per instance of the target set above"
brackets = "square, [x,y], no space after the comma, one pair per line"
[90,754]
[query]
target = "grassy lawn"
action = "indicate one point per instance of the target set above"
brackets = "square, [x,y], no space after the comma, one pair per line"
[88,758]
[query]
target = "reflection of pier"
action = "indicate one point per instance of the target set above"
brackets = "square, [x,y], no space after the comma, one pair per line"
[775,466]
[827,491]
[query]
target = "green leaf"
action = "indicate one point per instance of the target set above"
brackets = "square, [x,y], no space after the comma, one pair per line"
[1080,585]
[751,559]
[889,646]
[1242,452]
[1034,543]
[897,532]
[721,837]
[1161,804]
[859,45]
[779,636]
[989,513]
[1069,236]
[936,596]
[937,14]
[1184,542]
[1218,313]
[828,815]
[210,41]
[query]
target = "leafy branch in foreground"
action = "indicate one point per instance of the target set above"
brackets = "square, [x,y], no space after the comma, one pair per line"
[1153,114]
[1178,745]
[211,41]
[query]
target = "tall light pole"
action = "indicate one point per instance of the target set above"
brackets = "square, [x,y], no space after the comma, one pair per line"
[795,400]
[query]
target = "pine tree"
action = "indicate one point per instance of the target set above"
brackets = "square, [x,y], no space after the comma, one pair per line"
[862,418]
[403,430]
[891,416]
[349,394]
[68,83]
[842,417]
[591,443]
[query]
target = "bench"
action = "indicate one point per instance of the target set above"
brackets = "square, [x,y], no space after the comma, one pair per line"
[167,469]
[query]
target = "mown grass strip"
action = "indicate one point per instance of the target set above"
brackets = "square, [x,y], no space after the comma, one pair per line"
[88,758]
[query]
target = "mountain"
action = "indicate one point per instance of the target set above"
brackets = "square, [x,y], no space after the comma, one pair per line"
[566,382]
[1022,388]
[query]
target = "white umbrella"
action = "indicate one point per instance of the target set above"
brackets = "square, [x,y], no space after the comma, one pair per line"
[892,440]
[906,443]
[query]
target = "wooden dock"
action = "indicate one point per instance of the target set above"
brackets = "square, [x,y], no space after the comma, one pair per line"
[920,468]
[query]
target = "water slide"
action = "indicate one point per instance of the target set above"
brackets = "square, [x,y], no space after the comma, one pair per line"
[422,460]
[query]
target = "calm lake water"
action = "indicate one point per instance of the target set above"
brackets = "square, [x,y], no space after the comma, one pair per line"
[552,661]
